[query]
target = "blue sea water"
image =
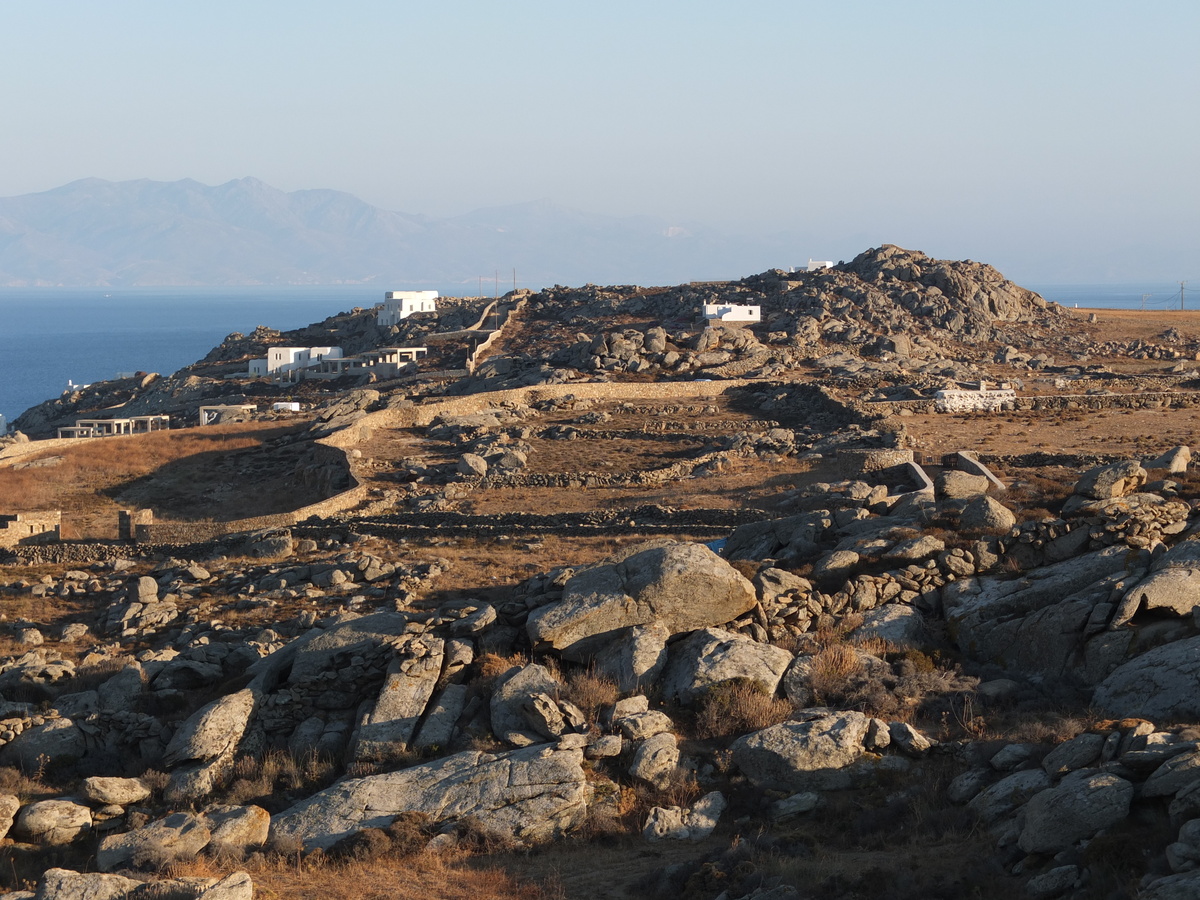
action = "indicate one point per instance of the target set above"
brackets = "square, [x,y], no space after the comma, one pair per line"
[52,336]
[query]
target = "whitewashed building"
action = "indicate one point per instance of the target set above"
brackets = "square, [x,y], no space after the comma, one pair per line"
[727,312]
[817,264]
[280,361]
[399,305]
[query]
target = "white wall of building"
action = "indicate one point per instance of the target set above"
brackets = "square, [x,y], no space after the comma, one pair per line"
[724,312]
[399,305]
[816,264]
[288,359]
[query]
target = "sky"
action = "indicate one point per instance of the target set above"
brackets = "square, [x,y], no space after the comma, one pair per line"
[1055,139]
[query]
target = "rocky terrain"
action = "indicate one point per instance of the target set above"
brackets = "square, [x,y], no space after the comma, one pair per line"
[641,636]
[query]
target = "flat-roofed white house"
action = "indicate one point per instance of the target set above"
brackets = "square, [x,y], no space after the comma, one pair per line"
[816,264]
[727,312]
[399,305]
[282,360]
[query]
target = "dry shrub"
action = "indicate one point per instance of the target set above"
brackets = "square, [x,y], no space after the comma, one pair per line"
[613,810]
[274,779]
[491,666]
[407,835]
[738,706]
[591,691]
[831,671]
[88,678]
[745,567]
[26,787]
[681,790]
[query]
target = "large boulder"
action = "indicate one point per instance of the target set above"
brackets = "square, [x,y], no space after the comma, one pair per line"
[514,692]
[202,749]
[63,884]
[9,804]
[801,754]
[1109,482]
[988,515]
[236,829]
[115,791]
[680,586]
[411,678]
[713,656]
[1173,462]
[794,538]
[327,651]
[531,794]
[636,657]
[1173,585]
[55,742]
[213,731]
[1035,623]
[656,759]
[1081,805]
[53,822]
[178,836]
[678,824]
[1159,684]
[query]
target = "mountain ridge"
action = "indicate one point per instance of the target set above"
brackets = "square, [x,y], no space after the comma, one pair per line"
[93,232]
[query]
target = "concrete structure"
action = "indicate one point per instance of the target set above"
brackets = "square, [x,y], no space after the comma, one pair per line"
[286,406]
[383,362]
[815,265]
[214,415]
[3,424]
[725,312]
[84,428]
[985,399]
[399,305]
[280,362]
[29,527]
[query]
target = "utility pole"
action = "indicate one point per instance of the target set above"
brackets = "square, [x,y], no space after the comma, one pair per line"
[514,278]
[1144,296]
[496,289]
[1181,284]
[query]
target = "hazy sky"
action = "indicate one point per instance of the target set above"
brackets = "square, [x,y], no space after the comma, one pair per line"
[1054,139]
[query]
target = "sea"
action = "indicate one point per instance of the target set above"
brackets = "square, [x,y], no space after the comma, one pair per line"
[52,338]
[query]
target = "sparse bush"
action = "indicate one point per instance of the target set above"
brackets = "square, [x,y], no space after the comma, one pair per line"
[831,671]
[738,706]
[591,691]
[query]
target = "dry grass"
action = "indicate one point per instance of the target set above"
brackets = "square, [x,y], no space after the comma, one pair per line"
[421,876]
[591,691]
[187,474]
[276,779]
[739,706]
[831,672]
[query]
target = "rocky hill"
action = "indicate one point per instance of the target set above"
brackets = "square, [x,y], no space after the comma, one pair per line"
[685,613]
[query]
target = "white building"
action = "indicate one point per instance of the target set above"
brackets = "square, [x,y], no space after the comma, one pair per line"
[282,360]
[725,312]
[816,264]
[399,305]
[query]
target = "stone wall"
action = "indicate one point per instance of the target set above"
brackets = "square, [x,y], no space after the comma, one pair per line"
[476,355]
[420,416]
[852,464]
[29,527]
[974,401]
[1043,403]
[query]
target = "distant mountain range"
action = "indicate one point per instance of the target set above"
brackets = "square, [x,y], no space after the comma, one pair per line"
[94,232]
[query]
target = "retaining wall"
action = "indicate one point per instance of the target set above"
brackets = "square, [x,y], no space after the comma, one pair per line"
[1044,402]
